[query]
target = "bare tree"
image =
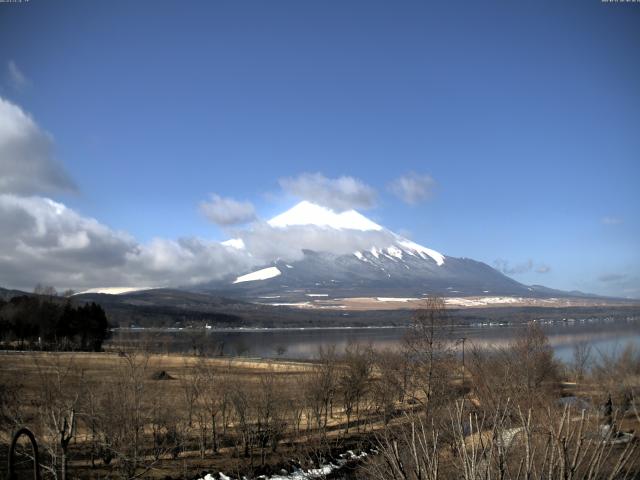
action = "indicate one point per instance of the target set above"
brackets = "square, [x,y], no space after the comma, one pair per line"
[45,290]
[269,413]
[241,402]
[191,389]
[389,386]
[123,414]
[354,379]
[504,447]
[536,371]
[57,406]
[429,347]
[581,360]
[214,397]
[524,371]
[321,386]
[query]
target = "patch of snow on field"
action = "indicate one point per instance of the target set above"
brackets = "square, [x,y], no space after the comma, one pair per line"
[115,290]
[313,473]
[263,274]
[481,301]
[395,299]
[286,304]
[317,294]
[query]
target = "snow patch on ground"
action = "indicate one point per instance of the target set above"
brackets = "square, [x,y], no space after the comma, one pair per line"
[115,290]
[396,299]
[288,304]
[480,301]
[263,274]
[299,474]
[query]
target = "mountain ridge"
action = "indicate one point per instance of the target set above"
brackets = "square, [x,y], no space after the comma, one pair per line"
[390,266]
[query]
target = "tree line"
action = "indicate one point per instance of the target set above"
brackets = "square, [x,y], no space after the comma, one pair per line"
[50,323]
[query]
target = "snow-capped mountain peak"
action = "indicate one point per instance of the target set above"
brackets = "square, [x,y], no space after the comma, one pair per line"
[307,213]
[386,244]
[344,254]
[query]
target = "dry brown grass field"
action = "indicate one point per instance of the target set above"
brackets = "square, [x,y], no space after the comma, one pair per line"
[171,383]
[133,414]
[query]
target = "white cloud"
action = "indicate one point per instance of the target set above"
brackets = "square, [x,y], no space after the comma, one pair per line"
[342,193]
[413,188]
[266,243]
[17,79]
[46,242]
[227,211]
[612,220]
[26,156]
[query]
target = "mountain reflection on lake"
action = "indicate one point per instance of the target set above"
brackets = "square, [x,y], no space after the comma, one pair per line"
[604,336]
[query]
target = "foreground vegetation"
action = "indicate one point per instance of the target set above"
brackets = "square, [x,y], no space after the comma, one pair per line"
[426,412]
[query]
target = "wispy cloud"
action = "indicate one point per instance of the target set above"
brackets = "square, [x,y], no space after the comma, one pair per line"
[612,277]
[542,268]
[621,283]
[341,193]
[17,79]
[508,268]
[227,211]
[610,220]
[413,188]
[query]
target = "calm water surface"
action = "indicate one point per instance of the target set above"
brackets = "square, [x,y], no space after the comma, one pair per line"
[604,336]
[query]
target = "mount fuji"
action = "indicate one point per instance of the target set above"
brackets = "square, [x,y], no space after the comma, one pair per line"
[380,263]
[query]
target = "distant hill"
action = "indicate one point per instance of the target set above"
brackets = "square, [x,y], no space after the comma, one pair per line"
[7,294]
[162,308]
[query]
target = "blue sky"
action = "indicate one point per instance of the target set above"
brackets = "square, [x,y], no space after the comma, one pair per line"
[526,115]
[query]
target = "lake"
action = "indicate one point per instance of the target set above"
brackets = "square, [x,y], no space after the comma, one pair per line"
[605,336]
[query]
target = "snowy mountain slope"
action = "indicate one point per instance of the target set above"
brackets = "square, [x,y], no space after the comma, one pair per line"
[390,266]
